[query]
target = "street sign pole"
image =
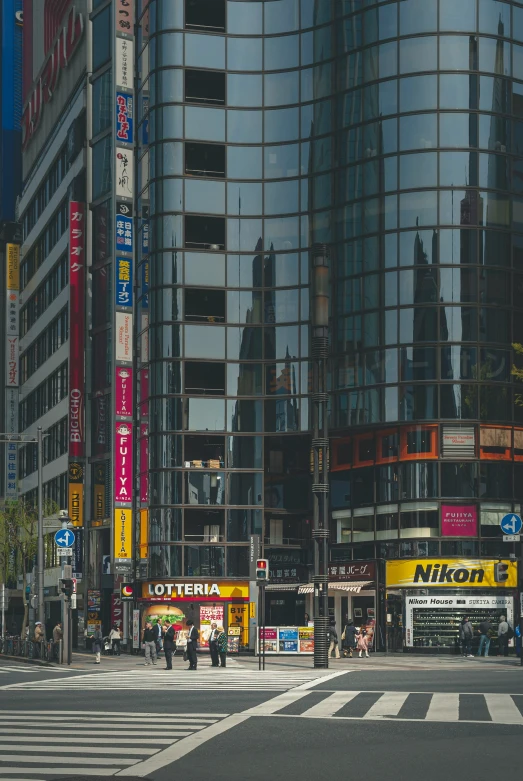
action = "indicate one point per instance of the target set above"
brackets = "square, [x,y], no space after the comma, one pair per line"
[40,558]
[520,570]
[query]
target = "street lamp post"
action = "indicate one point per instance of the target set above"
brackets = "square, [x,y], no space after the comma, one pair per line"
[320,450]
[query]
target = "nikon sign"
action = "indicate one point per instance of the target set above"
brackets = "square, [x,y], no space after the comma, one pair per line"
[438,573]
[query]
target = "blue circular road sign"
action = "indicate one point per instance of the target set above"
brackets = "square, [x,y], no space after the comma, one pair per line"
[511,524]
[64,538]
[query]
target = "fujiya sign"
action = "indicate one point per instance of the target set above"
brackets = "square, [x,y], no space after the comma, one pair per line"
[184,589]
[62,51]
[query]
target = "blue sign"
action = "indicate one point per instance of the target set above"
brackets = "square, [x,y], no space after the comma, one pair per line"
[124,233]
[288,634]
[511,524]
[145,285]
[124,117]
[145,125]
[145,238]
[124,282]
[64,538]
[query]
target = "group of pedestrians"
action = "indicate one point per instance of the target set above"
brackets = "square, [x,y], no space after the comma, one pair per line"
[154,637]
[353,639]
[487,631]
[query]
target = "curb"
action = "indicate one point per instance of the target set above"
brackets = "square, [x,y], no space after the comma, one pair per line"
[39,662]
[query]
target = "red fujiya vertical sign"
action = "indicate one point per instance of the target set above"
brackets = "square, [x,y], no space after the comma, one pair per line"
[123,463]
[76,328]
[124,392]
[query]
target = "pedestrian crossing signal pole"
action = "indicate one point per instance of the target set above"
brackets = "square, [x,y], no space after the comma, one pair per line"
[262,576]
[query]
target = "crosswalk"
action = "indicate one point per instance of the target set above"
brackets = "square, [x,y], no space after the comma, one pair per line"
[9,669]
[38,745]
[207,679]
[395,705]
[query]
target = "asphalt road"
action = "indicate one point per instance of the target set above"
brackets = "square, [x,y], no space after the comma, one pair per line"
[383,719]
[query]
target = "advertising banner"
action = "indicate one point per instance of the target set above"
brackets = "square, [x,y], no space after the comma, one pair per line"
[101,420]
[78,554]
[288,640]
[12,379]
[124,173]
[238,616]
[124,232]
[125,16]
[145,285]
[459,520]
[124,282]
[448,573]
[123,533]
[124,63]
[123,463]
[13,266]
[99,494]
[209,614]
[144,463]
[12,283]
[306,637]
[76,493]
[124,392]
[136,629]
[116,611]
[145,124]
[124,118]
[124,337]
[12,307]
[76,328]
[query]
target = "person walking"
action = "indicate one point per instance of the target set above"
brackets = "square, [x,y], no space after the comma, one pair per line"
[503,635]
[149,643]
[485,629]
[169,644]
[213,645]
[58,634]
[222,646]
[115,637]
[362,642]
[332,636]
[192,642]
[348,639]
[466,634]
[97,644]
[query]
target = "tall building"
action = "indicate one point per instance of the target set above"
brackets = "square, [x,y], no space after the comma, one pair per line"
[227,138]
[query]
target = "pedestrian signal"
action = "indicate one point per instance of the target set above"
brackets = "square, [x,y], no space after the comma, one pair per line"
[262,570]
[500,572]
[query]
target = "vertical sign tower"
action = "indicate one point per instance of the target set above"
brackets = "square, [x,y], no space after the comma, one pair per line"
[123,270]
[12,290]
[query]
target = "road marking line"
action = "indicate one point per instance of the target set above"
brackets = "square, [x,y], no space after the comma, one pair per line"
[58,771]
[331,705]
[503,708]
[96,733]
[121,716]
[276,703]
[389,704]
[74,749]
[182,748]
[443,707]
[64,760]
[132,741]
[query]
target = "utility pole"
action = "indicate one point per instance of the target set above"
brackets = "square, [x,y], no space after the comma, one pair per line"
[40,556]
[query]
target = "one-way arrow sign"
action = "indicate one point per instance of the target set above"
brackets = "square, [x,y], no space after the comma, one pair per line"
[64,538]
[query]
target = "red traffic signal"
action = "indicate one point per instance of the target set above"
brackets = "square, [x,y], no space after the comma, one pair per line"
[262,569]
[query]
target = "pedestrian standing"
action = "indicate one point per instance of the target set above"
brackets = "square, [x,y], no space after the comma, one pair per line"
[157,629]
[115,636]
[58,634]
[362,642]
[192,642]
[97,644]
[485,629]
[222,646]
[333,640]
[348,639]
[169,644]
[503,635]
[466,634]
[39,639]
[213,645]
[149,643]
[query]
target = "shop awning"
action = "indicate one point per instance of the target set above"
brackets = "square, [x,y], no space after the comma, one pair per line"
[282,586]
[354,586]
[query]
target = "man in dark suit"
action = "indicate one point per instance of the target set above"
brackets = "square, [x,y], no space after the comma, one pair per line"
[192,641]
[213,645]
[169,644]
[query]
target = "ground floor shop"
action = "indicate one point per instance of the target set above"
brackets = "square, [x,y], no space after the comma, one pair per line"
[428,598]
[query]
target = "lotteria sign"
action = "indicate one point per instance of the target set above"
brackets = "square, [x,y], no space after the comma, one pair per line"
[450,573]
[161,591]
[59,57]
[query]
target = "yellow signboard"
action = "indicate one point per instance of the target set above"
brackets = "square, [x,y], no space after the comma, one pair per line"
[76,503]
[452,573]
[123,534]
[252,609]
[238,616]
[178,589]
[13,267]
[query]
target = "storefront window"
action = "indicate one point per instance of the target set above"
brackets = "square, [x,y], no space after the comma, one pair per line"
[204,561]
[165,561]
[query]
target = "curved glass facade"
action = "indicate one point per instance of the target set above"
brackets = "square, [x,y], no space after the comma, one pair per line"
[392,132]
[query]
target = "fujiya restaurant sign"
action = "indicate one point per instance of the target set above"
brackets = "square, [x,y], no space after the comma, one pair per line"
[438,573]
[62,51]
[459,520]
[123,472]
[160,592]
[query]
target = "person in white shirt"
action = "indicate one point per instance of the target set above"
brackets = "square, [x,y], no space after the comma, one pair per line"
[115,637]
[213,645]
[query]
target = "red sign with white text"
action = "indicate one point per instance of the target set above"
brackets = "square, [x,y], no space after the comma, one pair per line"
[459,520]
[76,328]
[116,611]
[123,463]
[124,392]
[144,463]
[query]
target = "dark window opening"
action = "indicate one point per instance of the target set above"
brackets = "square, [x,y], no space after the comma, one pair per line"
[206,452]
[204,306]
[419,441]
[205,15]
[344,453]
[205,232]
[204,525]
[366,450]
[389,446]
[205,160]
[205,87]
[204,379]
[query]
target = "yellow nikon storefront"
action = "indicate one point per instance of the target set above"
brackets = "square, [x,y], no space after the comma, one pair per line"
[436,593]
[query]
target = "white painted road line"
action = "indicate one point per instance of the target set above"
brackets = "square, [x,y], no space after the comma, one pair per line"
[443,707]
[502,708]
[389,704]
[330,706]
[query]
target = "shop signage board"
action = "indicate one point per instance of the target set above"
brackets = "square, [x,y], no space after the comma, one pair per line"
[461,603]
[449,573]
[459,520]
[286,639]
[123,463]
[124,282]
[124,392]
[159,591]
[124,62]
[124,118]
[124,337]
[238,616]
[209,614]
[352,570]
[136,629]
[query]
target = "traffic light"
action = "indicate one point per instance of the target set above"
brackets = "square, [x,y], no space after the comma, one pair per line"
[67,586]
[500,572]
[262,570]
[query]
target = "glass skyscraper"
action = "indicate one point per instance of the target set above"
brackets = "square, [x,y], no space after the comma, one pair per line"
[392,132]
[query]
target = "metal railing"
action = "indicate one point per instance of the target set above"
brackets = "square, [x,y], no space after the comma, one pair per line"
[27,649]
